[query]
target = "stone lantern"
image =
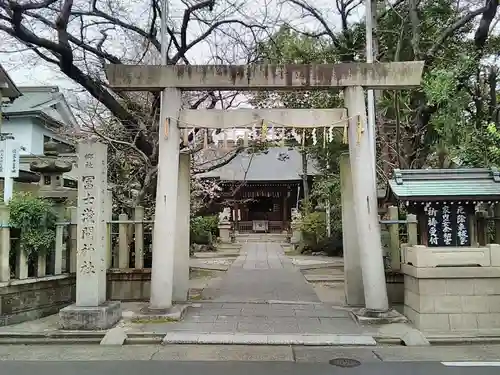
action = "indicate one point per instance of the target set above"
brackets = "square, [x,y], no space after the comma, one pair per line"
[51,169]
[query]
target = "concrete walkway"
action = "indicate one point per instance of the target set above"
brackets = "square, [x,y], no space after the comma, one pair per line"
[262,293]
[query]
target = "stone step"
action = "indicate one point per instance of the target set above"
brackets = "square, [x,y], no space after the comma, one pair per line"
[242,238]
[325,278]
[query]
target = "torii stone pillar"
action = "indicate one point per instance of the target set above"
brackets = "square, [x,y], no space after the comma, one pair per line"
[352,77]
[181,252]
[165,226]
[364,189]
[353,278]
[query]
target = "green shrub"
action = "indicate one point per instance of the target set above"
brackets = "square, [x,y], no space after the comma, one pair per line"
[331,246]
[35,219]
[204,229]
[313,227]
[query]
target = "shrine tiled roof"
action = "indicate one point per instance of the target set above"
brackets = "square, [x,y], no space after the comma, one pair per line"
[445,184]
[275,164]
[7,86]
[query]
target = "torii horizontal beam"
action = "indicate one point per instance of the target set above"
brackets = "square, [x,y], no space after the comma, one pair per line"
[247,117]
[264,77]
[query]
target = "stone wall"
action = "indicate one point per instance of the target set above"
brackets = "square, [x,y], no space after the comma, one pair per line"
[33,298]
[453,299]
[29,299]
[129,284]
[395,287]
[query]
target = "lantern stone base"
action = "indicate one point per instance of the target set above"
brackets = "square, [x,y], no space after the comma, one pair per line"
[296,237]
[452,299]
[90,318]
[225,232]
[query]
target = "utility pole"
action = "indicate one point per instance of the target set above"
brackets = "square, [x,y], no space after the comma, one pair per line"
[370,10]
[163,29]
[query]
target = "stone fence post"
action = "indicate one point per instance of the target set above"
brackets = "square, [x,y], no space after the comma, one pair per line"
[4,244]
[412,229]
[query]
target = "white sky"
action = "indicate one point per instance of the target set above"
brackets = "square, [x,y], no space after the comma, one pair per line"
[26,69]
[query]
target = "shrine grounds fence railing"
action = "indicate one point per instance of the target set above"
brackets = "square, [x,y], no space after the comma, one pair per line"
[129,243]
[397,238]
[244,227]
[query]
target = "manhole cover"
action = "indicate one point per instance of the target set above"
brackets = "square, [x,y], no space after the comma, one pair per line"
[344,362]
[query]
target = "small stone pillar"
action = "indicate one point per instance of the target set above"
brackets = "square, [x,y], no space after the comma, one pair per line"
[225,225]
[295,227]
[91,310]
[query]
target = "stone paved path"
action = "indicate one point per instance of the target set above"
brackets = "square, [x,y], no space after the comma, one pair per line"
[262,293]
[262,273]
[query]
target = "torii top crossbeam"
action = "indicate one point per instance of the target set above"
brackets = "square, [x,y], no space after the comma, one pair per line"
[264,77]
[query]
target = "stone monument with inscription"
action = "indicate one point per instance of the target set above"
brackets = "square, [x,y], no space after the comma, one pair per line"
[91,310]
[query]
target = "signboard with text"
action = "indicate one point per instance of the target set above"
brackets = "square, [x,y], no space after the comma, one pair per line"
[9,158]
[448,224]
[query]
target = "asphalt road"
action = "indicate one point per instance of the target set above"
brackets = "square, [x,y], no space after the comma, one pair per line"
[236,368]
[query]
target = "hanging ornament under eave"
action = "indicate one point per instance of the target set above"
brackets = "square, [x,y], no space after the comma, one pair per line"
[263,131]
[314,137]
[205,139]
[283,137]
[254,132]
[324,137]
[330,134]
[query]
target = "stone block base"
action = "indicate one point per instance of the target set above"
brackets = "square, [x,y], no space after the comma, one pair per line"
[453,299]
[225,233]
[90,318]
[142,312]
[366,316]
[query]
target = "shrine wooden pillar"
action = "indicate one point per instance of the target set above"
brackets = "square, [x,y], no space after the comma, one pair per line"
[236,221]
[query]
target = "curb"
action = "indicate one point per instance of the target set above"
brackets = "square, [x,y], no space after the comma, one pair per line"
[138,338]
[56,337]
[23,338]
[270,339]
[443,340]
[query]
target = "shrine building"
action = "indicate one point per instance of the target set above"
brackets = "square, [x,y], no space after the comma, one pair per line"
[261,188]
[451,204]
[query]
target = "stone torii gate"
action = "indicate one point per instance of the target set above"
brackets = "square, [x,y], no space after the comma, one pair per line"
[170,269]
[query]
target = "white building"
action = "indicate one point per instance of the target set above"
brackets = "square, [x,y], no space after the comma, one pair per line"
[35,117]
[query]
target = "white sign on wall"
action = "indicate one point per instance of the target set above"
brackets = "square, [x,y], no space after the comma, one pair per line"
[9,158]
